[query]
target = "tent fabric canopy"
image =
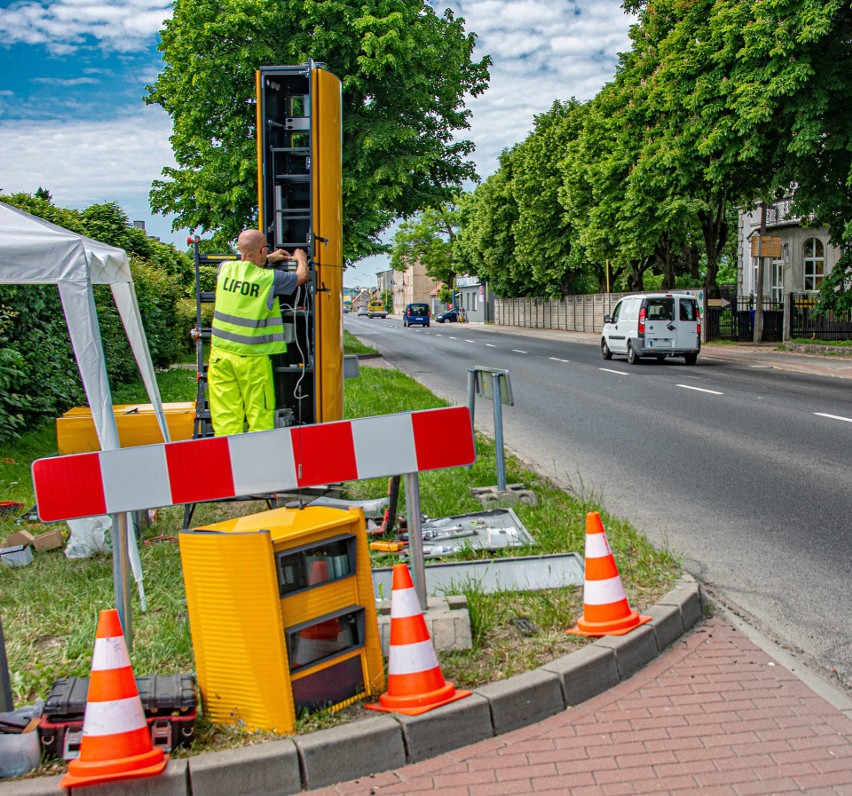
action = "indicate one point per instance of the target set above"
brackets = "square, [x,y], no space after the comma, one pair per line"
[34,251]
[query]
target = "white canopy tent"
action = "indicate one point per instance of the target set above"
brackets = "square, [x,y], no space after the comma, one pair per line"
[35,252]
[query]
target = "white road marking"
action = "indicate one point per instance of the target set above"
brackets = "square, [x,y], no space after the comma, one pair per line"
[616,372]
[556,359]
[491,345]
[700,389]
[518,351]
[834,417]
[470,341]
[452,338]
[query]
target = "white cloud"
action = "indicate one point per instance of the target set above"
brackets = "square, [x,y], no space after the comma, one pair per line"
[541,52]
[66,82]
[65,25]
[82,162]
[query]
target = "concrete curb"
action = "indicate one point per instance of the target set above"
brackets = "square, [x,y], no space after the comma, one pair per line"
[388,741]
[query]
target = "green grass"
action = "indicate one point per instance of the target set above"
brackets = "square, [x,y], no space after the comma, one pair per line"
[832,343]
[49,608]
[352,345]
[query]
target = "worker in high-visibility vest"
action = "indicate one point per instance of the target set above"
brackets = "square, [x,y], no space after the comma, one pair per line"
[247,329]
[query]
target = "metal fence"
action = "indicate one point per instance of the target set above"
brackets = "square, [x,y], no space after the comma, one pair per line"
[736,321]
[796,316]
[806,320]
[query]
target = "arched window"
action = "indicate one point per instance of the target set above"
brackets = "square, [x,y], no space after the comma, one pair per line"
[814,259]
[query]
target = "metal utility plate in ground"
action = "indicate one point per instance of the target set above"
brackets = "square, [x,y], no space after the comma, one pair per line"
[496,529]
[523,573]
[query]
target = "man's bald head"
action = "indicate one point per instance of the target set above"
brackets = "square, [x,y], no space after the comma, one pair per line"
[250,244]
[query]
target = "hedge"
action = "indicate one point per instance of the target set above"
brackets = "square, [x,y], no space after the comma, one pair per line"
[39,378]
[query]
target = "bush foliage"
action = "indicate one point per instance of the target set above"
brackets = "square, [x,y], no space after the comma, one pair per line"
[39,378]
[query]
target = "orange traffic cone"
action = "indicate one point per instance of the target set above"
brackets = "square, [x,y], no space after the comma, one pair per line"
[116,741]
[605,608]
[415,682]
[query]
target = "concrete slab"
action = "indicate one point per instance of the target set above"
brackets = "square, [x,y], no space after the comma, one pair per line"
[447,620]
[585,673]
[632,651]
[492,497]
[687,596]
[174,781]
[271,767]
[446,728]
[523,699]
[366,746]
[667,622]
[40,786]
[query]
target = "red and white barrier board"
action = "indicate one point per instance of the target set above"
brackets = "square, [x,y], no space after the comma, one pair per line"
[195,471]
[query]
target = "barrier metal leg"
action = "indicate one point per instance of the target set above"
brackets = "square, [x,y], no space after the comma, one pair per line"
[498,434]
[471,399]
[415,536]
[121,575]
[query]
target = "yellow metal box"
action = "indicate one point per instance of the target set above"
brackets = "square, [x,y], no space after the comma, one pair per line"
[137,425]
[282,615]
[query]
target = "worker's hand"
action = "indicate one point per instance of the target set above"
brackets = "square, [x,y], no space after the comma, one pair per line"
[279,255]
[302,273]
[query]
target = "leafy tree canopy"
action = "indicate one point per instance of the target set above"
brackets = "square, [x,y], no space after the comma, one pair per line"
[427,237]
[405,73]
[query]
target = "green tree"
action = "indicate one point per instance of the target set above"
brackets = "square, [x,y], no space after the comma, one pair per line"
[428,238]
[405,72]
[485,245]
[545,241]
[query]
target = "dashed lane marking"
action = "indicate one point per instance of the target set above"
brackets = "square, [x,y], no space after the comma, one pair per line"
[616,372]
[700,389]
[556,359]
[834,417]
[518,351]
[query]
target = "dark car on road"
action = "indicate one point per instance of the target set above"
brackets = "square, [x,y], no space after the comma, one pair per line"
[449,316]
[416,314]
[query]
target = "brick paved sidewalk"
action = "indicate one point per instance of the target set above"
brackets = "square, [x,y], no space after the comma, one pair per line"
[713,714]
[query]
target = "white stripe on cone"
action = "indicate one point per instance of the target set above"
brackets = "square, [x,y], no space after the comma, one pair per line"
[114,716]
[412,658]
[405,603]
[110,653]
[597,546]
[603,592]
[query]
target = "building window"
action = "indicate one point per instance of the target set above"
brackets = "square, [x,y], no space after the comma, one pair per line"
[755,273]
[814,264]
[778,281]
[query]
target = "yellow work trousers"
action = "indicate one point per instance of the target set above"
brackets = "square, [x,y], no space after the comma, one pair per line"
[240,390]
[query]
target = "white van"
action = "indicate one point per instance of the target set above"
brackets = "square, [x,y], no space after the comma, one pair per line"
[653,325]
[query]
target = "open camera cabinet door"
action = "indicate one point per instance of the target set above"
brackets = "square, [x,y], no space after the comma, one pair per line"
[299,150]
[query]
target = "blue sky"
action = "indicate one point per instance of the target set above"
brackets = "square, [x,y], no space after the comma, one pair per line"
[73,74]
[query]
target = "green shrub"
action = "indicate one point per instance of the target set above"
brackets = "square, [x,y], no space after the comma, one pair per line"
[36,357]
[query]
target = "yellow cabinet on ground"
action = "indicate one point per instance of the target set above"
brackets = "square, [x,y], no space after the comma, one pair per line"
[137,425]
[282,615]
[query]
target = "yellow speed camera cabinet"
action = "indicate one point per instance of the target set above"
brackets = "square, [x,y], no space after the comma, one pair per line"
[282,615]
[300,206]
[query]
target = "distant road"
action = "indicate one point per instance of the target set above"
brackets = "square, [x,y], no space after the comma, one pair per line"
[745,472]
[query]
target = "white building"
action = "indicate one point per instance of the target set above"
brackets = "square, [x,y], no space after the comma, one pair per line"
[806,256]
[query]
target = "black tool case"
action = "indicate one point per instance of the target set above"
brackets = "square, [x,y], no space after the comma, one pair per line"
[170,703]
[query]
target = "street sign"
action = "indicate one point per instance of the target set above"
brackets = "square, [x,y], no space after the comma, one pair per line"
[771,247]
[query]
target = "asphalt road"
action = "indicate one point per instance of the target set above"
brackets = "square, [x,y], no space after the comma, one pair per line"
[744,472]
